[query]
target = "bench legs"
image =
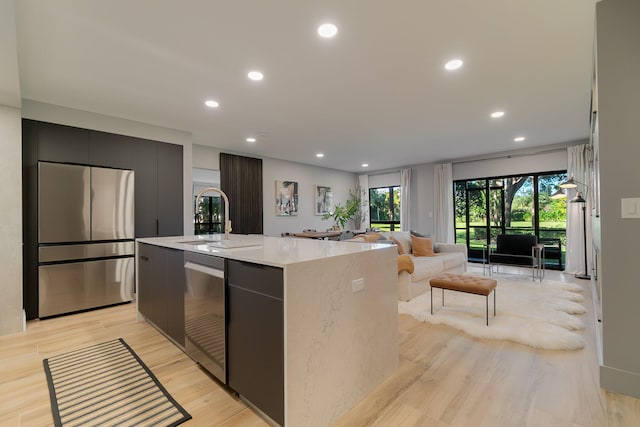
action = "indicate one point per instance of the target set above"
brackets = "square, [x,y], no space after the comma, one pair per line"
[486,301]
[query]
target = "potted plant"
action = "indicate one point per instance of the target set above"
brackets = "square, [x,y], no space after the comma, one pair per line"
[352,209]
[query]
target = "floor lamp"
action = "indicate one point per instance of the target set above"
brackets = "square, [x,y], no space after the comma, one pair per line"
[572,183]
[581,200]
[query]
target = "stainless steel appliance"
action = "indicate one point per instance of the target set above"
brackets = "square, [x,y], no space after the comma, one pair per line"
[85,237]
[205,313]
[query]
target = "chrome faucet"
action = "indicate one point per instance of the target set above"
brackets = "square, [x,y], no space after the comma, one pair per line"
[227,223]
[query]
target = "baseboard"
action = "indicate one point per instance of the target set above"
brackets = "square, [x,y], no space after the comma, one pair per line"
[620,381]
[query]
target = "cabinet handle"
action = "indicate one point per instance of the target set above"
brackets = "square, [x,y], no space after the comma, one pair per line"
[144,258]
[157,227]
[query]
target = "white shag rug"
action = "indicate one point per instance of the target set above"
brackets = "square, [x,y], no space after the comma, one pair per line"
[540,315]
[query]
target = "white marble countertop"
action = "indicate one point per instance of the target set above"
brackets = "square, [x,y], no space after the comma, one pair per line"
[273,251]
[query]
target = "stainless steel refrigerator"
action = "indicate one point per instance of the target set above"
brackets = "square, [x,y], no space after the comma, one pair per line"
[85,237]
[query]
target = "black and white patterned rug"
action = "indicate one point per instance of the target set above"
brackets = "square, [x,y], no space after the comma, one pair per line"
[108,385]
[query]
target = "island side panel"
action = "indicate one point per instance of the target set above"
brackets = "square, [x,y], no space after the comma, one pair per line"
[339,344]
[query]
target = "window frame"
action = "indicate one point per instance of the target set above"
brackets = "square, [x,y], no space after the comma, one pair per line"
[392,223]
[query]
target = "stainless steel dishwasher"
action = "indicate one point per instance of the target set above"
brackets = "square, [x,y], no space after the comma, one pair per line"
[205,312]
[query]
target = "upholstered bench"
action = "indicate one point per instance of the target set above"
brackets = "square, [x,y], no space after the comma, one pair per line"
[468,284]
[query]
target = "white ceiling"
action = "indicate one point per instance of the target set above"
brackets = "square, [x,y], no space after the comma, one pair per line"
[376,93]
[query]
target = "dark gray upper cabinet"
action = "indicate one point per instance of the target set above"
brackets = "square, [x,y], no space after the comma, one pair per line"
[158,183]
[30,217]
[109,150]
[144,161]
[170,190]
[65,144]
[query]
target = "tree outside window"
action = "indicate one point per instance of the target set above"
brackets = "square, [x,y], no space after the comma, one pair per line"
[384,208]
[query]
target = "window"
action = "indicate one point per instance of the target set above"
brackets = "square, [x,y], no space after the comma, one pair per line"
[521,204]
[207,220]
[384,208]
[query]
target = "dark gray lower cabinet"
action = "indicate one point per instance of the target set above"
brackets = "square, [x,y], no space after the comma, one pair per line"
[176,285]
[255,365]
[161,285]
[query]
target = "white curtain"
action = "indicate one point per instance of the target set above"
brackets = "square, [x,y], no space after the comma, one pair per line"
[578,167]
[363,182]
[443,201]
[405,193]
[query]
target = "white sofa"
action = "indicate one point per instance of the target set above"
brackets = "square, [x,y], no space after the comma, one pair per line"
[450,258]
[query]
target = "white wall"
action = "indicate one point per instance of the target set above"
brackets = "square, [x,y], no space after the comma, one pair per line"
[386,179]
[307,176]
[11,317]
[206,157]
[514,165]
[618,56]
[87,120]
[9,79]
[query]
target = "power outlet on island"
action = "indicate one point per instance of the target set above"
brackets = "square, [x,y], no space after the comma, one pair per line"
[357,285]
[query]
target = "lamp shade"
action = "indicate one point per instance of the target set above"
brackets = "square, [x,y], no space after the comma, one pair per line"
[559,194]
[570,183]
[578,198]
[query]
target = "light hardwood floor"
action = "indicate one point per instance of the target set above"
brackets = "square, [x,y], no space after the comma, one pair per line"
[445,378]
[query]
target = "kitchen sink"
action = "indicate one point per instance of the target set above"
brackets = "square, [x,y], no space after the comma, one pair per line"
[230,244]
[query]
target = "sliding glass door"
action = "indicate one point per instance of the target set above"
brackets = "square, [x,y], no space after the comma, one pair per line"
[522,204]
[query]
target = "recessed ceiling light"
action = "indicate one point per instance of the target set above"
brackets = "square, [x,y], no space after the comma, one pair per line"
[327,30]
[497,114]
[211,103]
[255,75]
[519,138]
[365,165]
[319,155]
[454,64]
[251,140]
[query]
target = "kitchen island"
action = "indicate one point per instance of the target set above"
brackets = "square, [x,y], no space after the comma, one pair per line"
[333,304]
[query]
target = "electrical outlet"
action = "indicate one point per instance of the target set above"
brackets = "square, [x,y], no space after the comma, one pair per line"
[357,285]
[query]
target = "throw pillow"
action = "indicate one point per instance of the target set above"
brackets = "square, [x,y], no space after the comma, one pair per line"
[398,245]
[436,249]
[405,263]
[422,246]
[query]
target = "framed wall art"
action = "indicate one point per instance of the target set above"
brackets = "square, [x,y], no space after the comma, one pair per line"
[286,198]
[323,199]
